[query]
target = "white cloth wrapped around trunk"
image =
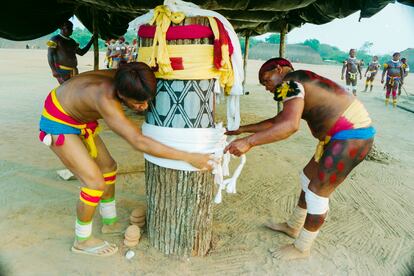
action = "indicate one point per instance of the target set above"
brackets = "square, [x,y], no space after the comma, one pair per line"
[199,140]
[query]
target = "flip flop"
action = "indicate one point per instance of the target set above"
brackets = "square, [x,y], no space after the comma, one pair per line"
[94,251]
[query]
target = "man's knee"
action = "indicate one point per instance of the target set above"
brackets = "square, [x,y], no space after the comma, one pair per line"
[94,181]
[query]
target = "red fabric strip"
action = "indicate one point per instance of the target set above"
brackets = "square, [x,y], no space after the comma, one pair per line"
[177,63]
[93,199]
[341,124]
[178,32]
[55,112]
[110,178]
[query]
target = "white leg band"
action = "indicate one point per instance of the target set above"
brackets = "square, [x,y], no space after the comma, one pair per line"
[305,240]
[297,219]
[354,87]
[83,230]
[108,211]
[317,205]
[304,181]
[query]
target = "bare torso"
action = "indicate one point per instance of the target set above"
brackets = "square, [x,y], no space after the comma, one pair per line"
[82,95]
[325,101]
[66,51]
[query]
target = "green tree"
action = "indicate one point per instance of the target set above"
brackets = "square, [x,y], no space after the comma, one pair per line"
[273,39]
[313,43]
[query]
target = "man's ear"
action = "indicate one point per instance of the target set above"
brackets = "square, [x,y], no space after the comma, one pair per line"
[279,69]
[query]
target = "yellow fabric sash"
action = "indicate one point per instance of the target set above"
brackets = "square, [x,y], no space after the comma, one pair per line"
[198,61]
[202,68]
[355,114]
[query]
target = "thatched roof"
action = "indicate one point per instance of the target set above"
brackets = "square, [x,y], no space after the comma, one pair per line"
[24,20]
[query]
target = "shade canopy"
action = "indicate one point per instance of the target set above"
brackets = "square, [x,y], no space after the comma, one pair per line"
[25,20]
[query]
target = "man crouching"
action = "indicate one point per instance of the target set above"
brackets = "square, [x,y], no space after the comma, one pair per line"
[69,126]
[336,118]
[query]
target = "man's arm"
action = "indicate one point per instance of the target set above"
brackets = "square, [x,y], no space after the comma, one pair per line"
[51,56]
[253,128]
[84,50]
[284,125]
[359,70]
[383,73]
[115,118]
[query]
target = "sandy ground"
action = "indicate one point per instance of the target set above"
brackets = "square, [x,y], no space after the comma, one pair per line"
[369,231]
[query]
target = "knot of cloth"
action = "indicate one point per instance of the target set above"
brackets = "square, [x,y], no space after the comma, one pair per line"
[87,135]
[320,148]
[163,18]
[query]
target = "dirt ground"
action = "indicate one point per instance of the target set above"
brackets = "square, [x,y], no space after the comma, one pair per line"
[369,230]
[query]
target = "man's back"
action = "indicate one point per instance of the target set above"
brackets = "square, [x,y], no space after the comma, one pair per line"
[325,101]
[81,96]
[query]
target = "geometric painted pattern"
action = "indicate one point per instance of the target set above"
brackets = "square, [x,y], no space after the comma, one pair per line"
[182,104]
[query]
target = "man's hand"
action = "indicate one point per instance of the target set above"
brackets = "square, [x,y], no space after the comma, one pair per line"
[200,161]
[382,80]
[238,147]
[234,132]
[55,74]
[360,76]
[342,77]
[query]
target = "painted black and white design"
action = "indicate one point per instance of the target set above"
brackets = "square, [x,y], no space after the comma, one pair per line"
[182,104]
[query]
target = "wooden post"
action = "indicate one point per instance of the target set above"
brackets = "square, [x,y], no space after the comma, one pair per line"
[180,203]
[95,41]
[245,57]
[282,48]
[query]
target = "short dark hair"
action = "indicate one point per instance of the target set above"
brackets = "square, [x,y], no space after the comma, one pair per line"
[136,81]
[67,22]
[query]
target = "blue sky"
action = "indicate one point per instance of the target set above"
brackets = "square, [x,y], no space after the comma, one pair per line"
[391,30]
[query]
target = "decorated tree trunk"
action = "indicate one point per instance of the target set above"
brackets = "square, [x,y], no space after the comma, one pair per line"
[179,213]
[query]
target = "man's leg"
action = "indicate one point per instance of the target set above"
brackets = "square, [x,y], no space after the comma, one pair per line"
[354,87]
[388,93]
[75,157]
[295,222]
[394,94]
[340,157]
[367,82]
[107,206]
[371,82]
[348,83]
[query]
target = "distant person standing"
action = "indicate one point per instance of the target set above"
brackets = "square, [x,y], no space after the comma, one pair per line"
[351,68]
[62,50]
[371,72]
[406,69]
[134,51]
[118,52]
[395,77]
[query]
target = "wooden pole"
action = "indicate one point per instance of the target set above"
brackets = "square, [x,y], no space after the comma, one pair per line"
[180,203]
[245,58]
[95,41]
[282,48]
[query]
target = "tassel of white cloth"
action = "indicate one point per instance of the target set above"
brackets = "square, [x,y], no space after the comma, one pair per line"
[201,140]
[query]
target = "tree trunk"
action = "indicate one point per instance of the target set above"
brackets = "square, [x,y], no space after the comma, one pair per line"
[95,42]
[179,213]
[282,47]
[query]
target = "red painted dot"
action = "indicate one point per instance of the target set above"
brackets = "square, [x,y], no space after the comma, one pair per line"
[321,176]
[328,162]
[353,152]
[340,166]
[332,178]
[336,149]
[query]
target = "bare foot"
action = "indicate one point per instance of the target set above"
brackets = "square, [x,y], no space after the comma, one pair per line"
[114,228]
[94,246]
[284,228]
[289,252]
